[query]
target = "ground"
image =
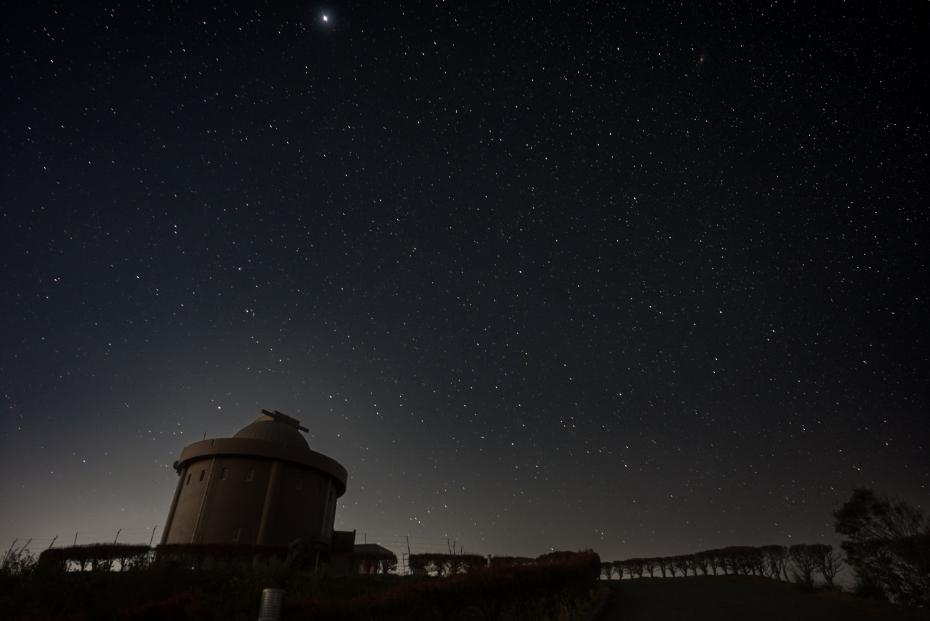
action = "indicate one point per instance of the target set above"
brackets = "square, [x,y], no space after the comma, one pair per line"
[738,598]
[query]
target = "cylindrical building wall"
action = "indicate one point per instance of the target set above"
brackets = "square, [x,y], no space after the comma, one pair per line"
[248,490]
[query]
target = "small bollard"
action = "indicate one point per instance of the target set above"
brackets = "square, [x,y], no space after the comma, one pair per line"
[272,601]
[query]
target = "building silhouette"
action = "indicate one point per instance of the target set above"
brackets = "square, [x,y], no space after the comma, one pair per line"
[263,486]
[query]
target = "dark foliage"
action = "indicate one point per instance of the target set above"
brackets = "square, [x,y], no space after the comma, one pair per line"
[95,557]
[775,560]
[805,563]
[888,546]
[827,561]
[373,562]
[554,586]
[446,564]
[511,561]
[538,590]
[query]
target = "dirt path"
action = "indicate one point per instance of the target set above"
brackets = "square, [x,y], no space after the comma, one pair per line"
[737,599]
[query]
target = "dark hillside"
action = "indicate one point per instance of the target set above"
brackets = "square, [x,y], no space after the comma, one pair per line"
[739,598]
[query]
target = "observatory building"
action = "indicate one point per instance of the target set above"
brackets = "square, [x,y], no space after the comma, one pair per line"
[263,486]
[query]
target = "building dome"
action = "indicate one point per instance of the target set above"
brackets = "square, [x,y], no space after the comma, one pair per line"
[275,428]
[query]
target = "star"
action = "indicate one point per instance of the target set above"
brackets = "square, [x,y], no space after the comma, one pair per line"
[325,18]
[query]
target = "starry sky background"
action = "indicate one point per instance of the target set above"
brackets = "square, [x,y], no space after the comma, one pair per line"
[643,277]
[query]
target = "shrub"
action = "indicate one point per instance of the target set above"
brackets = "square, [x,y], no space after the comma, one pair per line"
[96,556]
[536,590]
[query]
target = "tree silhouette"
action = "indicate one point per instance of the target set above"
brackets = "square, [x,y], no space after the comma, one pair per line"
[669,563]
[776,561]
[805,563]
[888,546]
[650,565]
[619,567]
[702,561]
[828,562]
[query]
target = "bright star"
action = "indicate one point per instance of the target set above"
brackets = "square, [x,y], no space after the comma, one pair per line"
[325,18]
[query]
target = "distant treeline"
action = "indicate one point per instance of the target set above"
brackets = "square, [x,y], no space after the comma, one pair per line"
[442,565]
[445,564]
[799,563]
[886,541]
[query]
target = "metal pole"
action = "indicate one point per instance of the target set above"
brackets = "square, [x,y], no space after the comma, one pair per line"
[408,550]
[271,604]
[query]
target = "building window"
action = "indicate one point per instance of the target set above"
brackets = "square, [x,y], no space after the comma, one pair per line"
[203,473]
[237,535]
[223,472]
[250,476]
[188,482]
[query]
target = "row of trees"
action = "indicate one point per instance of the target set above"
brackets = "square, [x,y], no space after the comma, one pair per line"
[442,565]
[800,563]
[886,543]
[445,564]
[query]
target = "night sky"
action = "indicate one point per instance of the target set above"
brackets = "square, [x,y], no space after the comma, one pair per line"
[644,277]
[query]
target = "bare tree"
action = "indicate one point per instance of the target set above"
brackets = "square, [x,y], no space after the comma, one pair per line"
[619,566]
[805,563]
[776,560]
[828,562]
[650,565]
[702,560]
[730,560]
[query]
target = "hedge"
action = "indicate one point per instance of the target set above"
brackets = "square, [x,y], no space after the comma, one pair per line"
[549,587]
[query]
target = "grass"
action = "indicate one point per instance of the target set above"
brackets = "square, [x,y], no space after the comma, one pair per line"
[740,598]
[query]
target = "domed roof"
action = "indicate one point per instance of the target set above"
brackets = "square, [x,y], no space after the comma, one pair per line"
[275,427]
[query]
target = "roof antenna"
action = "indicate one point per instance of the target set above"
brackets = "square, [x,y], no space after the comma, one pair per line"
[281,417]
